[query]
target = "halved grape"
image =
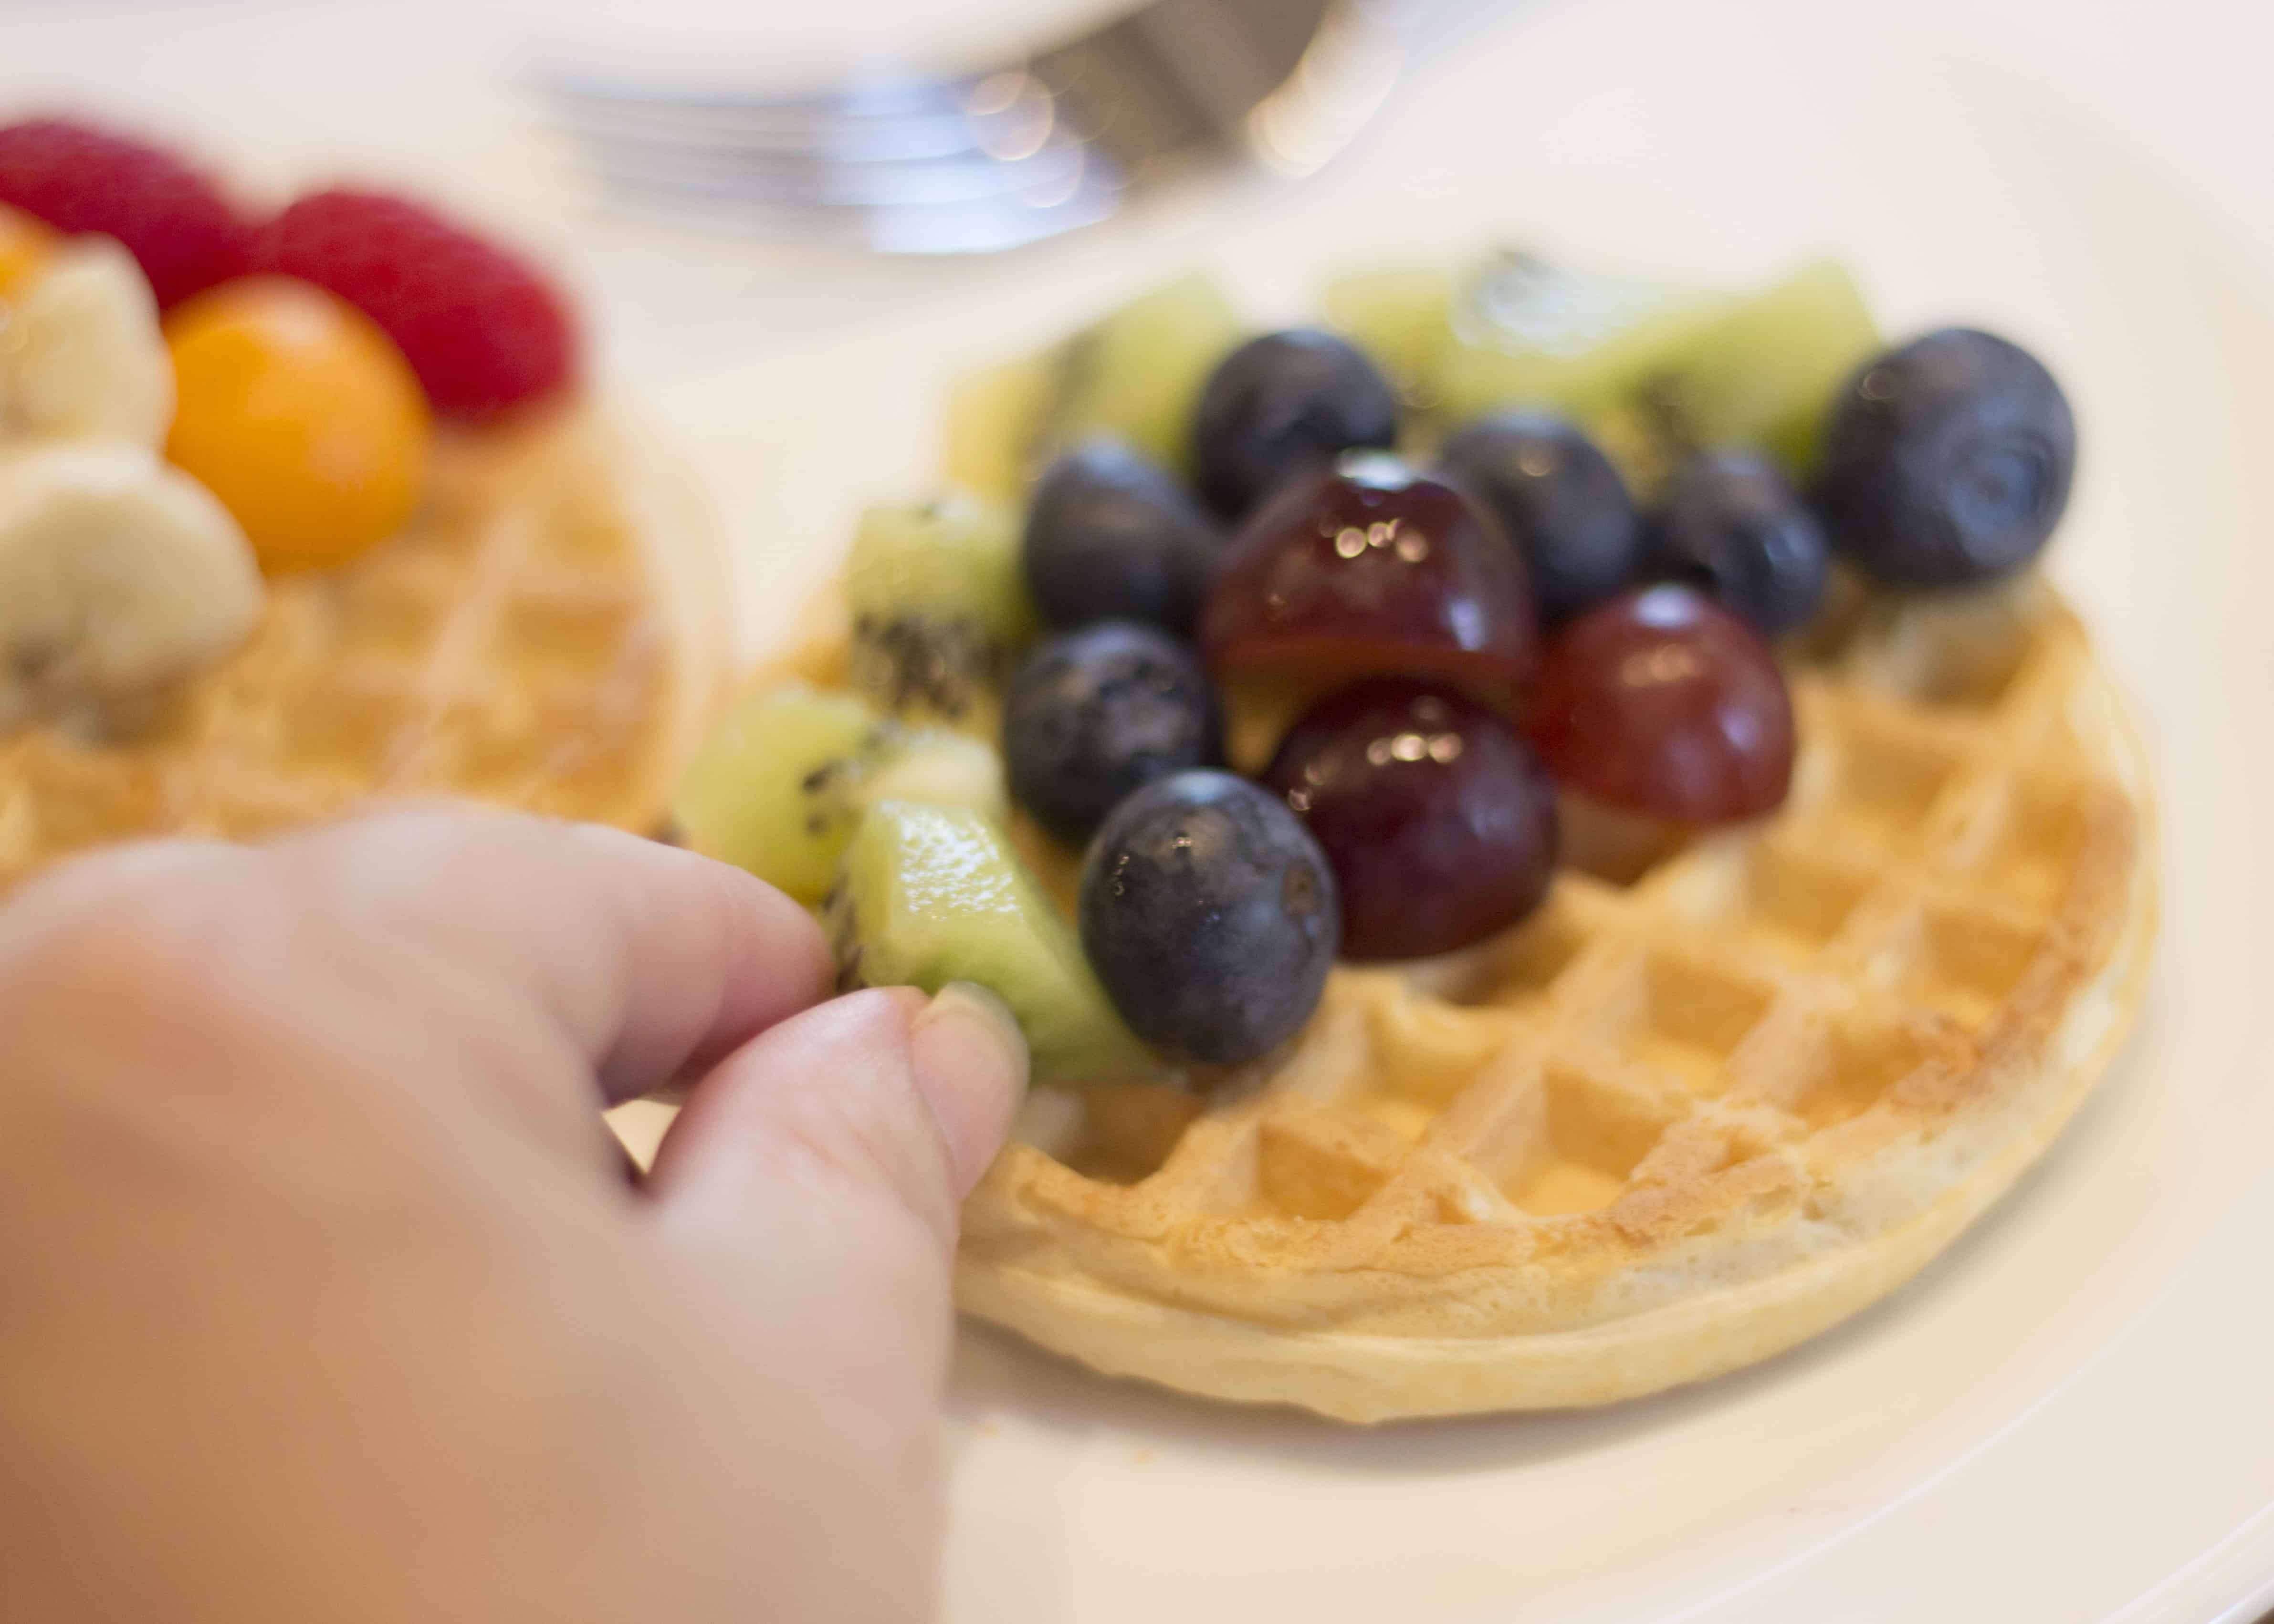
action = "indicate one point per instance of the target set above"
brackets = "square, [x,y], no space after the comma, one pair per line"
[1664,704]
[1439,820]
[1373,568]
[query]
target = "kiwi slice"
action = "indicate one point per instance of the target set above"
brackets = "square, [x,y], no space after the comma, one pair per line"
[929,895]
[940,607]
[1402,316]
[782,784]
[1525,332]
[1136,374]
[1765,372]
[994,418]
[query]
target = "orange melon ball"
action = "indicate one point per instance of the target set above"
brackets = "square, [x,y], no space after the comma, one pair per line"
[300,415]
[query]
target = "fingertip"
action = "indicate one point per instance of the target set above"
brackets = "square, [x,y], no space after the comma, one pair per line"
[883,1104]
[970,1064]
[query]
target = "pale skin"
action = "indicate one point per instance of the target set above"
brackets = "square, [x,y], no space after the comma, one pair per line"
[324,1293]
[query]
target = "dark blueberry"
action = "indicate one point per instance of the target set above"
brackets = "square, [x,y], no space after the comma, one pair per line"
[1947,461]
[1111,536]
[1439,820]
[1561,501]
[1734,526]
[1094,714]
[1281,404]
[1209,914]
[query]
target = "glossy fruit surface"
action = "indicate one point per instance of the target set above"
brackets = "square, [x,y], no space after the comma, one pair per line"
[1734,526]
[1280,405]
[486,332]
[1209,913]
[1439,820]
[1664,704]
[927,895]
[1111,536]
[1092,715]
[1947,461]
[183,232]
[298,413]
[1559,499]
[1371,568]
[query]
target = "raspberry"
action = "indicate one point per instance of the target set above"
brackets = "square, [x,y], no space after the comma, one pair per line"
[171,218]
[484,331]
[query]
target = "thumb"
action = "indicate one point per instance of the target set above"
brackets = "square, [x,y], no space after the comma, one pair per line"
[808,1194]
[827,1158]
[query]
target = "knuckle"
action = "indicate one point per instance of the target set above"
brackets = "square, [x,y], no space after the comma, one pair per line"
[138,948]
[418,833]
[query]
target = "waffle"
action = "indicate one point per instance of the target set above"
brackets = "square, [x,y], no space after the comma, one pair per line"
[1706,1102]
[548,633]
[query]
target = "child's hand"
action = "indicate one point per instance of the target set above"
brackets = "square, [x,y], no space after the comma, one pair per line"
[324,1294]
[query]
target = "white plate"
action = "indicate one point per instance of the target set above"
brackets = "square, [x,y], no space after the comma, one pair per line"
[2067,1417]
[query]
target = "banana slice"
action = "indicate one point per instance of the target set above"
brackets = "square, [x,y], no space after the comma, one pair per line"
[81,355]
[119,576]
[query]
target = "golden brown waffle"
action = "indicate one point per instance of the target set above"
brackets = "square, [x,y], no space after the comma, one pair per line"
[1694,1110]
[549,633]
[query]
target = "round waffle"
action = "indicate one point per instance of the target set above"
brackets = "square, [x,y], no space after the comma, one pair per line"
[1705,1103]
[549,633]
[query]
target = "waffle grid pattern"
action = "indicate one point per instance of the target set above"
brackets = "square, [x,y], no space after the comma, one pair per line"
[1678,1047]
[504,646]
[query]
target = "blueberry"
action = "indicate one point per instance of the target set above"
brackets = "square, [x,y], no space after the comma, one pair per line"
[1282,403]
[1734,526]
[1210,915]
[1561,501]
[1094,714]
[1111,536]
[1947,462]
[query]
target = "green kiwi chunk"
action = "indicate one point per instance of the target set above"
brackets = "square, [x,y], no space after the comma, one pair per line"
[993,425]
[929,895]
[1402,316]
[1526,332]
[1136,374]
[939,605]
[1764,373]
[782,783]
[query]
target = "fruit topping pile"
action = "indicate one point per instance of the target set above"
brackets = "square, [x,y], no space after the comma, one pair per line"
[1327,643]
[191,398]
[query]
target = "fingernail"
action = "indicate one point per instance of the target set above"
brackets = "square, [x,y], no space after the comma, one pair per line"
[970,1061]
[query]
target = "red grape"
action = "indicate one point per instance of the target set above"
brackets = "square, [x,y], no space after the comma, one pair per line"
[1371,568]
[1438,820]
[1662,703]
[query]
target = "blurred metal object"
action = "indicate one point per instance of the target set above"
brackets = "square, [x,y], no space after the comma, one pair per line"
[975,163]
